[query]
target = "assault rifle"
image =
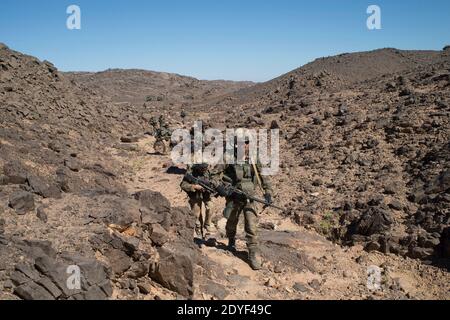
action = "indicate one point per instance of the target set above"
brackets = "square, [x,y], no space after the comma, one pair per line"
[225,189]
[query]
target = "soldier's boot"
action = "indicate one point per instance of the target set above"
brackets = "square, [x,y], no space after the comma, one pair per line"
[254,260]
[208,228]
[198,230]
[231,245]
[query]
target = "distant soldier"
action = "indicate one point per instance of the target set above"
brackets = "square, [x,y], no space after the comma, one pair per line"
[245,177]
[153,123]
[198,197]
[162,135]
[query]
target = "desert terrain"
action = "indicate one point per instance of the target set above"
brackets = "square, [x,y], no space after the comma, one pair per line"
[364,178]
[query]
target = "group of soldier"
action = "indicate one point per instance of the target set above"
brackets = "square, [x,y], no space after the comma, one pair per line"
[162,133]
[245,178]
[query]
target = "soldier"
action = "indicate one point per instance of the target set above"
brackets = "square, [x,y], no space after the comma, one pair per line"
[163,136]
[245,177]
[153,123]
[199,196]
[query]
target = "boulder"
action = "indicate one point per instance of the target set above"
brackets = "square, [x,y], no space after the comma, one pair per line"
[441,183]
[37,248]
[300,287]
[395,205]
[159,235]
[118,260]
[72,164]
[22,202]
[32,291]
[40,187]
[138,270]
[214,289]
[373,221]
[15,172]
[420,253]
[149,217]
[125,212]
[41,214]
[153,200]
[175,270]
[66,182]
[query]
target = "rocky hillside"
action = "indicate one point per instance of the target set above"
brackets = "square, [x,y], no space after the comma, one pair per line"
[63,201]
[366,147]
[338,72]
[154,88]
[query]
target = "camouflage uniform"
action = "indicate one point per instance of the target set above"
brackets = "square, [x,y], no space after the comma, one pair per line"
[153,124]
[163,134]
[244,178]
[197,198]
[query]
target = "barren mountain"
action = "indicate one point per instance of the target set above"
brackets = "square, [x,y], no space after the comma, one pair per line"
[339,72]
[154,88]
[366,148]
[364,178]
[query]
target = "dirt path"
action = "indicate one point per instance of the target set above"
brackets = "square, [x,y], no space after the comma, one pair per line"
[298,263]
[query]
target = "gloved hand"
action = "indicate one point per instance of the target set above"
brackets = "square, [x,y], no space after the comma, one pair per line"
[222,191]
[268,198]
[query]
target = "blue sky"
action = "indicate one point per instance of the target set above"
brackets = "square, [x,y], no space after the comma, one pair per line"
[216,39]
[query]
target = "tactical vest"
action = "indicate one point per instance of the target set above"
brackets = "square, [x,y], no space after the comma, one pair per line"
[243,177]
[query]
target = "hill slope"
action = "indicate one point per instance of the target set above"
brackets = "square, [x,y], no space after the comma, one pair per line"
[365,146]
[159,88]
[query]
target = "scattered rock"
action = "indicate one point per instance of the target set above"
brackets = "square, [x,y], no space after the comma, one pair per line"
[22,202]
[118,260]
[154,201]
[315,284]
[300,287]
[40,187]
[144,287]
[40,213]
[72,164]
[215,290]
[396,205]
[159,235]
[15,172]
[130,139]
[374,220]
[175,270]
[32,291]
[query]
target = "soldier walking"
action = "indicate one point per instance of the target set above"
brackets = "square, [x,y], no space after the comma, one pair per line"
[199,197]
[245,177]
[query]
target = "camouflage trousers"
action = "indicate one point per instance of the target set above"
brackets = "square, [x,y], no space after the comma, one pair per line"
[233,210]
[202,221]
